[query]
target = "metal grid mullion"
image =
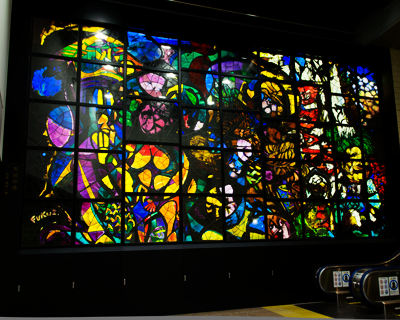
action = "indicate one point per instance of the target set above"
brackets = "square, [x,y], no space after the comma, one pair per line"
[181,204]
[123,142]
[76,145]
[222,145]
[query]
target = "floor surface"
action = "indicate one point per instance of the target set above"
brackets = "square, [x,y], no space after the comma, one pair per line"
[320,310]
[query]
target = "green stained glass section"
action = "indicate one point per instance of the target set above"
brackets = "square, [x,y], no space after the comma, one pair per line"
[321,220]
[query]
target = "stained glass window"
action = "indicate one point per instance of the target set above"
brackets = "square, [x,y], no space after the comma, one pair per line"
[53,79]
[138,137]
[51,125]
[98,223]
[155,121]
[200,89]
[202,218]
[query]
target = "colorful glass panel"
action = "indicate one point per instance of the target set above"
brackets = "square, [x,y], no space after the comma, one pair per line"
[280,140]
[312,104]
[199,56]
[151,219]
[318,180]
[202,219]
[55,37]
[240,93]
[152,51]
[348,142]
[98,223]
[243,172]
[351,179]
[99,175]
[155,121]
[366,82]
[53,79]
[102,84]
[284,220]
[238,62]
[308,69]
[51,125]
[342,78]
[200,89]
[244,218]
[379,218]
[102,44]
[321,219]
[47,224]
[100,129]
[282,179]
[275,66]
[152,84]
[241,130]
[344,110]
[315,142]
[376,180]
[316,139]
[354,217]
[49,174]
[370,115]
[153,168]
[277,100]
[203,170]
[201,127]
[373,144]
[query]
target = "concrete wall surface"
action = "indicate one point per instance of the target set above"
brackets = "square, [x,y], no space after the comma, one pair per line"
[5,20]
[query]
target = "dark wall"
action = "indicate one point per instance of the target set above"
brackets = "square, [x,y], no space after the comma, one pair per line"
[217,276]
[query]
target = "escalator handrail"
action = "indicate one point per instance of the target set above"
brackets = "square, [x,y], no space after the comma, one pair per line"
[319,271]
[351,280]
[361,265]
[365,276]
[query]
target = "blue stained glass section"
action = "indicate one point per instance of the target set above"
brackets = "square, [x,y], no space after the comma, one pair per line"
[45,86]
[162,40]
[286,60]
[62,116]
[142,48]
[59,165]
[301,61]
[258,223]
[209,81]
[194,224]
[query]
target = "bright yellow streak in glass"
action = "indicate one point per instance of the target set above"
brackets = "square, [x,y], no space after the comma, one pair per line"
[175,186]
[107,182]
[66,171]
[140,161]
[145,177]
[91,221]
[102,157]
[99,96]
[161,181]
[104,239]
[161,160]
[192,187]
[185,169]
[239,229]
[169,212]
[53,28]
[256,236]
[211,235]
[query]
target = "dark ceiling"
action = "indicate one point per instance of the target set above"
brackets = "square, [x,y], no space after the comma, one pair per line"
[339,15]
[363,22]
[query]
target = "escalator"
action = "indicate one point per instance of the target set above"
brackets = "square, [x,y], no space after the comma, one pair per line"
[335,279]
[373,283]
